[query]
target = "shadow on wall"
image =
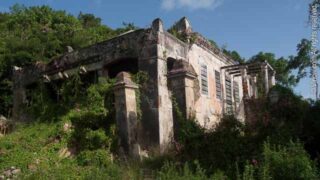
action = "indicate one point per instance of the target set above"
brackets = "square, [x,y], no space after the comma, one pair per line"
[128,65]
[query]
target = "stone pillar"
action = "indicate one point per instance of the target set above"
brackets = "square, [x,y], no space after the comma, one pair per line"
[19,95]
[272,79]
[181,82]
[190,94]
[156,104]
[232,94]
[254,86]
[250,80]
[126,111]
[182,87]
[265,77]
[245,83]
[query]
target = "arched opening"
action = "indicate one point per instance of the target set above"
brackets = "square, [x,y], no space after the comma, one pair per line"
[170,63]
[126,64]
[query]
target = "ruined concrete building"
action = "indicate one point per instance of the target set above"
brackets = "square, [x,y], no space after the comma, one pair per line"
[191,73]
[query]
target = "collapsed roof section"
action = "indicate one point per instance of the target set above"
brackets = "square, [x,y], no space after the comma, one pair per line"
[251,68]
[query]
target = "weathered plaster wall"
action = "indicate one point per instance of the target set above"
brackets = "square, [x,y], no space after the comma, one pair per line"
[152,48]
[209,108]
[93,57]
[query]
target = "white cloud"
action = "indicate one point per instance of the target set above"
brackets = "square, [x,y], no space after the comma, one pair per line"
[190,4]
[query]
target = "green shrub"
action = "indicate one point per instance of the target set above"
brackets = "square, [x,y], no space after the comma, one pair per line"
[93,118]
[248,172]
[99,97]
[287,162]
[311,130]
[71,90]
[286,115]
[99,158]
[170,171]
[92,131]
[97,139]
[216,149]
[88,139]
[113,172]
[41,106]
[88,119]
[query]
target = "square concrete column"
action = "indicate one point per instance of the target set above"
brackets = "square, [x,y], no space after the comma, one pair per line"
[182,87]
[254,86]
[245,82]
[181,82]
[156,105]
[126,111]
[265,77]
[272,81]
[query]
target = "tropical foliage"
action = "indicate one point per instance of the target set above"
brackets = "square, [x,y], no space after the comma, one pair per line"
[78,139]
[33,34]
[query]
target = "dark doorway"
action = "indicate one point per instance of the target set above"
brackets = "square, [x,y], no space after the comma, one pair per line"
[170,63]
[128,65]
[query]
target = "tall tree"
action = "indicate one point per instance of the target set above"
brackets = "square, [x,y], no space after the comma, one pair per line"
[302,61]
[284,74]
[30,34]
[314,10]
[235,56]
[89,20]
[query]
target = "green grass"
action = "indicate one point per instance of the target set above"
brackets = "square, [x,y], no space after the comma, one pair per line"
[34,148]
[29,143]
[33,145]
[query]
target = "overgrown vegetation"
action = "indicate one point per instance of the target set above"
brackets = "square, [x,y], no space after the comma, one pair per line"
[81,133]
[73,135]
[38,34]
[275,148]
[183,36]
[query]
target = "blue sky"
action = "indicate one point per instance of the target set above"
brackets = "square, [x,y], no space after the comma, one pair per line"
[247,26]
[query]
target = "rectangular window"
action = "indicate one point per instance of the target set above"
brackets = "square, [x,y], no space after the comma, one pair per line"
[236,92]
[204,80]
[228,95]
[218,85]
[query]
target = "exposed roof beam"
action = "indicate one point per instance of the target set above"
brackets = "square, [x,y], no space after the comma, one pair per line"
[240,65]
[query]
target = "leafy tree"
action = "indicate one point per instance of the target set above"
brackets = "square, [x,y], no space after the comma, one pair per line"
[31,34]
[213,43]
[302,60]
[232,54]
[89,20]
[235,56]
[93,31]
[314,2]
[283,73]
[287,162]
[126,27]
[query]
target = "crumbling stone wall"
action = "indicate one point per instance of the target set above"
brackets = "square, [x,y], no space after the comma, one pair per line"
[151,47]
[208,108]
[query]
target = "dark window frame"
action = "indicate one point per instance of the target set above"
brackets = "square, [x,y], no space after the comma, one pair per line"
[229,103]
[204,79]
[218,85]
